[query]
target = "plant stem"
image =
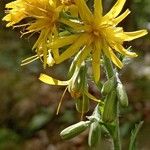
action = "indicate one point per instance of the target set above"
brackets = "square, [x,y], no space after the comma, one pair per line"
[116,135]
[108,68]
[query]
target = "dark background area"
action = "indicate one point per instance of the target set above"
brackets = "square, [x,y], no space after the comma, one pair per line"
[28,119]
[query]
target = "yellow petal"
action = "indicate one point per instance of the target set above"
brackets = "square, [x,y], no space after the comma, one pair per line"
[52,3]
[42,37]
[115,60]
[123,51]
[55,51]
[74,48]
[49,80]
[129,36]
[14,18]
[98,9]
[84,11]
[109,53]
[44,49]
[96,54]
[60,42]
[116,9]
[41,45]
[11,4]
[73,10]
[122,16]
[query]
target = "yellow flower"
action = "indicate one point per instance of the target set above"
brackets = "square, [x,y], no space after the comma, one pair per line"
[44,15]
[97,35]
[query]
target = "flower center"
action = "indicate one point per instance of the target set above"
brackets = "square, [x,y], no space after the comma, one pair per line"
[95,32]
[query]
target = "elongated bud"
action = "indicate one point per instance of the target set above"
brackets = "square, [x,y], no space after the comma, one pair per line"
[122,95]
[74,130]
[94,134]
[108,86]
[110,107]
[82,105]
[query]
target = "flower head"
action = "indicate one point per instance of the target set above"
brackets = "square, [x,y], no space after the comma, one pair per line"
[43,14]
[97,35]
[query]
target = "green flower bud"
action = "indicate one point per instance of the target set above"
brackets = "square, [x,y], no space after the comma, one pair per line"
[74,130]
[82,105]
[94,134]
[110,107]
[108,86]
[122,95]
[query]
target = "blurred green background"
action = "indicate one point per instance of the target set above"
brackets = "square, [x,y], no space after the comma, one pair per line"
[27,106]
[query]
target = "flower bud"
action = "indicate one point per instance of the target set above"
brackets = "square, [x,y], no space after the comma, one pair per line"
[74,130]
[122,95]
[82,105]
[110,107]
[108,86]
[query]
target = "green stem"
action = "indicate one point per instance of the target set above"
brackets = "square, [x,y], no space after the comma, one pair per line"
[108,67]
[116,135]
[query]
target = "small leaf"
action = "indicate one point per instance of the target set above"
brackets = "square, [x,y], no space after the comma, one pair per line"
[94,134]
[134,133]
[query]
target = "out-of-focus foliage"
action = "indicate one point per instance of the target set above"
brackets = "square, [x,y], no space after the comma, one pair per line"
[28,107]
